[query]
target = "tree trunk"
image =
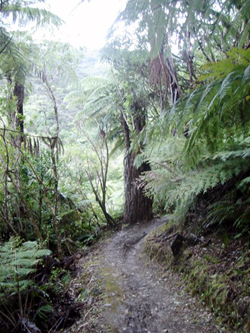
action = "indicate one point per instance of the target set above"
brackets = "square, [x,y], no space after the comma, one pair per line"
[18,125]
[19,93]
[137,206]
[55,203]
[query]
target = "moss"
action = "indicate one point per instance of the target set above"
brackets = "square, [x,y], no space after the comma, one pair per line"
[221,279]
[215,291]
[157,249]
[163,228]
[113,293]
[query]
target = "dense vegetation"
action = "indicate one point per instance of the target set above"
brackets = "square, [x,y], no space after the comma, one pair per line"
[171,98]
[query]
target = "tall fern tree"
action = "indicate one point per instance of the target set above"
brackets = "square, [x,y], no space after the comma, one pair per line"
[16,62]
[121,100]
[213,117]
[215,148]
[16,65]
[136,103]
[213,24]
[205,30]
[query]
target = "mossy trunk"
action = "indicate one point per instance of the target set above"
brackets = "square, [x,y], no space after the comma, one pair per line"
[138,207]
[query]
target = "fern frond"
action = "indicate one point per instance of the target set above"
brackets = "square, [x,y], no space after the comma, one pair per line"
[211,112]
[175,183]
[22,14]
[17,262]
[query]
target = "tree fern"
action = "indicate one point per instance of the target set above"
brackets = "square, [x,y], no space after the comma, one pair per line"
[173,182]
[219,23]
[217,111]
[24,11]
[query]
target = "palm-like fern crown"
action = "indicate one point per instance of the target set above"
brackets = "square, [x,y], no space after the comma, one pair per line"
[217,23]
[16,46]
[22,12]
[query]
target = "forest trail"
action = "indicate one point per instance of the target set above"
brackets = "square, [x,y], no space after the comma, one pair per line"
[137,296]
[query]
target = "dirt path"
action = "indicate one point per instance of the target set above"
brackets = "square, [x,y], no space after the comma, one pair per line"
[137,296]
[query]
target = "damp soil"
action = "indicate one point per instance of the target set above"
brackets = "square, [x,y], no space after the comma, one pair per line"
[129,293]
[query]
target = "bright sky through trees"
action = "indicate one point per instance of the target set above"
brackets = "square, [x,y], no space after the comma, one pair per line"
[87,23]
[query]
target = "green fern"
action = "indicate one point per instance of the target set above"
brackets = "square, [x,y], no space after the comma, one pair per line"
[17,261]
[21,12]
[175,183]
[232,208]
[217,112]
[218,24]
[44,311]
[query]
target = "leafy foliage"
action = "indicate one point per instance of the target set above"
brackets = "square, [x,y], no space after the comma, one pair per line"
[219,109]
[213,24]
[24,11]
[17,263]
[214,119]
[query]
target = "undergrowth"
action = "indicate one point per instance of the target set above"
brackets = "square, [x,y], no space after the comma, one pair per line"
[34,289]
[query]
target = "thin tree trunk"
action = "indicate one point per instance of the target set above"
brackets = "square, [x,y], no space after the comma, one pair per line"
[53,147]
[40,206]
[101,201]
[5,205]
[19,94]
[100,187]
[55,205]
[18,125]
